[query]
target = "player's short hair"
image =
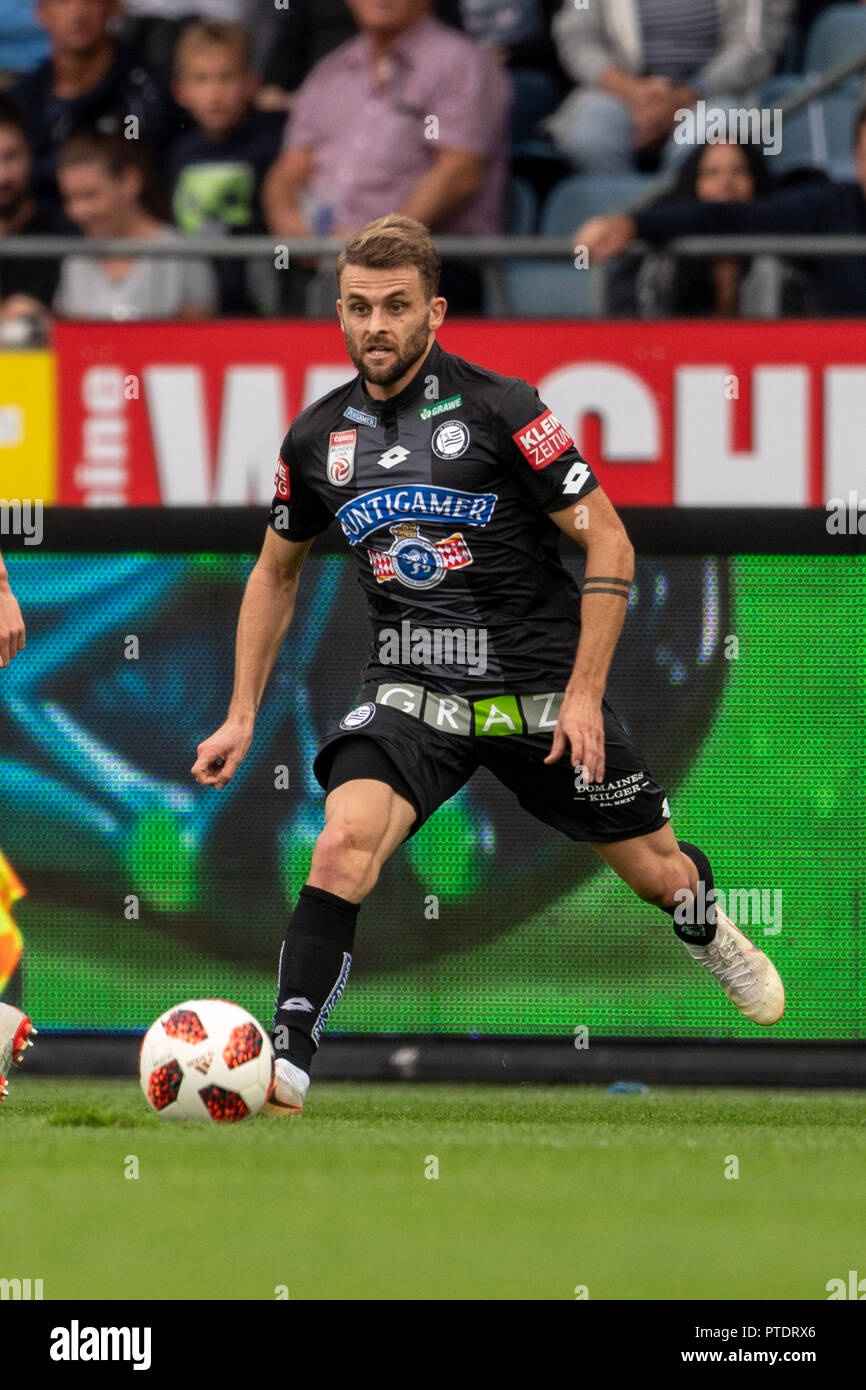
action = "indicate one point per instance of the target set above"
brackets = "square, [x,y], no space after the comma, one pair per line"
[390,242]
[212,33]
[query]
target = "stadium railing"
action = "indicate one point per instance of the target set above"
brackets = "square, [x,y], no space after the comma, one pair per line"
[488,253]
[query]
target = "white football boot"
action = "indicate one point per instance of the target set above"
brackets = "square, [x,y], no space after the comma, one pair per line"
[748,977]
[288,1089]
[15,1034]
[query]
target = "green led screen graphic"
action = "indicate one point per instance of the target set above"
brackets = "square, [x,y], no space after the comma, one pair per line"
[741,679]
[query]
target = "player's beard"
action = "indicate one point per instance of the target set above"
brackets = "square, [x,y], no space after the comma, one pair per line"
[405,357]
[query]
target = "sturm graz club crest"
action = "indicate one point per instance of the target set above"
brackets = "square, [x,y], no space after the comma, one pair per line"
[450,439]
[359,716]
[417,561]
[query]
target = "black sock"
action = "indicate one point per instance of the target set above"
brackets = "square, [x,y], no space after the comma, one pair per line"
[314,967]
[702,928]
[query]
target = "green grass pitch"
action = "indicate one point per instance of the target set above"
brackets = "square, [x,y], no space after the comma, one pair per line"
[540,1190]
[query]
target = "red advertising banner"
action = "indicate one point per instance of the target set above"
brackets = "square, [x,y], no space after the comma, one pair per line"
[693,414]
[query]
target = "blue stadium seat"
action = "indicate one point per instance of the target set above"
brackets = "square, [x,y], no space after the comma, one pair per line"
[838,33]
[521,207]
[819,135]
[540,289]
[521,219]
[575,199]
[838,109]
[801,133]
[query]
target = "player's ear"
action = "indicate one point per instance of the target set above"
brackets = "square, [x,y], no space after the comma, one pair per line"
[340,314]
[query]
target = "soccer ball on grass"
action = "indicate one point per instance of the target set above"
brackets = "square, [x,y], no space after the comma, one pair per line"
[206,1060]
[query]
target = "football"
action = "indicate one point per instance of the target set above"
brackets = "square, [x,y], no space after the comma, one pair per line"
[206,1059]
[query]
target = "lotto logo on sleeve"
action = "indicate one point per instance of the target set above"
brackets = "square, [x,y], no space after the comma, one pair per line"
[543,440]
[281,481]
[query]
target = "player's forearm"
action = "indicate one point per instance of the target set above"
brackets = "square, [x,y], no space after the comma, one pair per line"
[265,616]
[4,575]
[609,573]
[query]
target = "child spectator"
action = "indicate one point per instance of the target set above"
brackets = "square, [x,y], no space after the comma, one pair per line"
[153,27]
[216,170]
[105,191]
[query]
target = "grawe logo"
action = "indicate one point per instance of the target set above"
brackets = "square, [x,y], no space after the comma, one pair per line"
[855,1288]
[76,1343]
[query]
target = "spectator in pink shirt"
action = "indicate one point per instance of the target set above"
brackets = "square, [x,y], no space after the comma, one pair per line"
[409,117]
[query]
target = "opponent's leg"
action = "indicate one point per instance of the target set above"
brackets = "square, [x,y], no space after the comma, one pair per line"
[15,1038]
[658,869]
[365,821]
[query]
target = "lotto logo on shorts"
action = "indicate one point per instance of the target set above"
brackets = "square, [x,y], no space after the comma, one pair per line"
[543,440]
[281,481]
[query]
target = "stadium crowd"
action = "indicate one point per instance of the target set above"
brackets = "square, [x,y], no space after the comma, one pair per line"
[165,119]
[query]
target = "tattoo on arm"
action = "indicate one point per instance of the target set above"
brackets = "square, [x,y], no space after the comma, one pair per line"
[606,584]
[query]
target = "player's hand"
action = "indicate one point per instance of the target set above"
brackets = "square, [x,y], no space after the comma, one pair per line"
[220,756]
[604,237]
[12,634]
[580,731]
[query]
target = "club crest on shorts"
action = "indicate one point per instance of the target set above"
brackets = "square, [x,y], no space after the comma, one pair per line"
[341,456]
[358,717]
[416,561]
[450,439]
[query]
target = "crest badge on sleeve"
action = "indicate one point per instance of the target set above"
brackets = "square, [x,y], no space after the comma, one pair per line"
[341,456]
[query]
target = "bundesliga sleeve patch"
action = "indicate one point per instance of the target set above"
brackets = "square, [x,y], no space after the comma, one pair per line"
[543,440]
[281,481]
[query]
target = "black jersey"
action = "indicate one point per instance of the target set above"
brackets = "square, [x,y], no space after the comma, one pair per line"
[442,493]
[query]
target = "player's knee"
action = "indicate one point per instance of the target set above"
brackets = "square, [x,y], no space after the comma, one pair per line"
[345,858]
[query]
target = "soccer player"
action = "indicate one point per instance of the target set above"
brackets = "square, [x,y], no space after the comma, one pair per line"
[15,1027]
[452,485]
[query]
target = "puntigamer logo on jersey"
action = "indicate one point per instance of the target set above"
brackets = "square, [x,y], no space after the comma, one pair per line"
[543,440]
[362,515]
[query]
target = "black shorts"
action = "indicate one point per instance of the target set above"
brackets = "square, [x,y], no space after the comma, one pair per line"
[429,745]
